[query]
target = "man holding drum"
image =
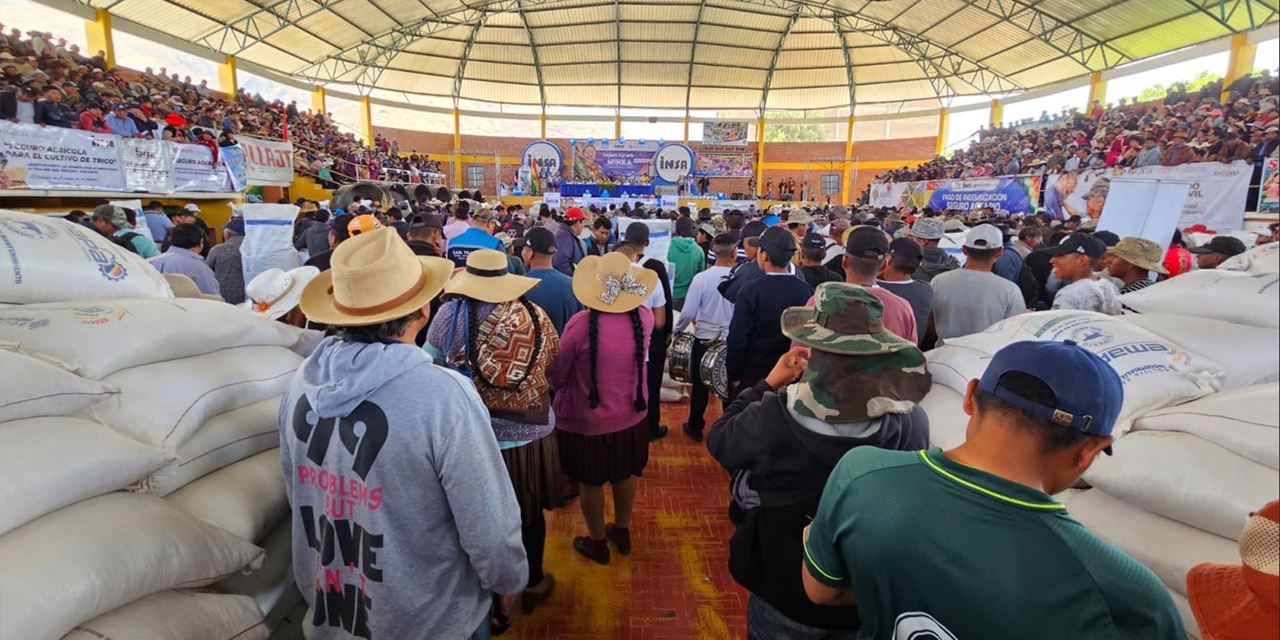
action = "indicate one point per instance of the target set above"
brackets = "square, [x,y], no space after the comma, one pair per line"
[709,312]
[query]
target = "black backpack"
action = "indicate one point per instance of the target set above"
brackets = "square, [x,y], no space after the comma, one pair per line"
[126,240]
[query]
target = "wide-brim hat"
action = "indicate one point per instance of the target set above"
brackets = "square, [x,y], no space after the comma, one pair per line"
[275,292]
[844,319]
[1133,253]
[184,287]
[611,283]
[374,277]
[1237,601]
[486,278]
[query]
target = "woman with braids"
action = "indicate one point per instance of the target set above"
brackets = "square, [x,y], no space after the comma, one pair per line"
[488,331]
[601,404]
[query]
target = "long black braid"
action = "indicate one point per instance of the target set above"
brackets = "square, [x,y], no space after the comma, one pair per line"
[593,342]
[637,330]
[473,332]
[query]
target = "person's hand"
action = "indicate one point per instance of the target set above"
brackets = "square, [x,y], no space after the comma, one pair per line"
[789,367]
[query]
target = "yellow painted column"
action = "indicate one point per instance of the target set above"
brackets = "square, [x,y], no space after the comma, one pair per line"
[457,146]
[98,37]
[944,123]
[318,101]
[997,113]
[543,120]
[1097,90]
[1240,63]
[848,163]
[760,156]
[617,126]
[228,82]
[686,129]
[366,120]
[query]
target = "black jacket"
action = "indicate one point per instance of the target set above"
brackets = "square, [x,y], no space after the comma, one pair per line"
[789,465]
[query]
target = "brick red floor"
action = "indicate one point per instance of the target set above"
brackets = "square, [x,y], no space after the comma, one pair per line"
[675,585]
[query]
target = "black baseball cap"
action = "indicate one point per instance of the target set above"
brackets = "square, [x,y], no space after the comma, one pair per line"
[1081,243]
[428,220]
[867,242]
[1226,245]
[906,250]
[777,241]
[813,241]
[541,241]
[751,232]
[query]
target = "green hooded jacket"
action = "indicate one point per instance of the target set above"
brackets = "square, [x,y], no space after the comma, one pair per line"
[689,259]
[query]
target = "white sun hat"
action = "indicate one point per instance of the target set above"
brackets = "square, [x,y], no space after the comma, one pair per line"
[275,292]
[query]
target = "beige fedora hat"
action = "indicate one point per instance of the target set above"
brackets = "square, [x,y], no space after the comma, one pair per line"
[375,277]
[184,287]
[611,283]
[486,278]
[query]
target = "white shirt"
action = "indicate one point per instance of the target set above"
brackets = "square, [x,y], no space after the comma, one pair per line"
[704,306]
[656,297]
[1089,295]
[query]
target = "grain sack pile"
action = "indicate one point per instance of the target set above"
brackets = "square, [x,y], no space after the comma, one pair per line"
[1198,443]
[138,459]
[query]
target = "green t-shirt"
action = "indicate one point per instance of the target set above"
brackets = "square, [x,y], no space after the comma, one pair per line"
[931,545]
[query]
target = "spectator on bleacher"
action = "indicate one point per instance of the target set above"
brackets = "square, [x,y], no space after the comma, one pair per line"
[50,112]
[1178,152]
[18,105]
[119,122]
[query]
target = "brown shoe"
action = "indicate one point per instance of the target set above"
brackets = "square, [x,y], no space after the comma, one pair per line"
[597,550]
[531,599]
[620,537]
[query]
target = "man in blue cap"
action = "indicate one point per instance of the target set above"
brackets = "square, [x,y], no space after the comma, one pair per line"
[968,543]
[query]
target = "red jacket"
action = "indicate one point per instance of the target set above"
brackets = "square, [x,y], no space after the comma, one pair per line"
[90,123]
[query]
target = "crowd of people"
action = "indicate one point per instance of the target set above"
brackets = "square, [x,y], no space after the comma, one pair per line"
[50,83]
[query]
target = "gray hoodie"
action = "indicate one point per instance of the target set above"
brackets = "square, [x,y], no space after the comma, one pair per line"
[404,521]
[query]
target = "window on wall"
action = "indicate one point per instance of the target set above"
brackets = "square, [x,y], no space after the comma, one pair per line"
[475,175]
[830,184]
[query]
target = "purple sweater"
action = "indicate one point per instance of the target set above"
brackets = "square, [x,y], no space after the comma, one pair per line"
[570,374]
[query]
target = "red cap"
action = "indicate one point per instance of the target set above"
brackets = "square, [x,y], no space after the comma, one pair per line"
[1177,261]
[574,214]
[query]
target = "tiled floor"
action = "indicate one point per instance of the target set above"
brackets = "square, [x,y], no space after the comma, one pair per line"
[675,585]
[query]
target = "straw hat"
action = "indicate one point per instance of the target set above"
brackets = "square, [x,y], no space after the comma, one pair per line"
[184,287]
[611,283]
[487,279]
[275,292]
[374,278]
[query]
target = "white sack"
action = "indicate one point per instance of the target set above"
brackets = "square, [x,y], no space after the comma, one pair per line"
[671,395]
[267,584]
[51,260]
[1260,259]
[1222,295]
[246,498]
[33,388]
[164,403]
[268,238]
[49,463]
[225,439]
[1247,354]
[1185,478]
[1244,421]
[178,615]
[947,419]
[97,339]
[94,556]
[1168,548]
[1155,372]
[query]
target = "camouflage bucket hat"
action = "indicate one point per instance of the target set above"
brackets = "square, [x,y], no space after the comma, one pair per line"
[844,319]
[839,388]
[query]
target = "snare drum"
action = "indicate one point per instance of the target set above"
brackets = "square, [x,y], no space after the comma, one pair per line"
[713,371]
[681,364]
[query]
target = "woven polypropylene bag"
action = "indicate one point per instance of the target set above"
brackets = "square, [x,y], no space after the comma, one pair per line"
[178,615]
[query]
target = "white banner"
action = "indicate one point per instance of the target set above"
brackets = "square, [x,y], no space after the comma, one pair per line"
[1216,198]
[268,163]
[670,202]
[551,199]
[268,238]
[146,166]
[890,194]
[195,170]
[35,157]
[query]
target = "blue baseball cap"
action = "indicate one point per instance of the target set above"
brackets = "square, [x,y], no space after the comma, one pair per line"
[772,220]
[1088,391]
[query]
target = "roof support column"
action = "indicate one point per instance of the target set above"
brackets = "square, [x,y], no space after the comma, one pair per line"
[98,36]
[317,101]
[686,128]
[617,125]
[848,162]
[1097,91]
[944,124]
[228,81]
[760,155]
[1240,64]
[457,146]
[543,121]
[997,114]
[366,120]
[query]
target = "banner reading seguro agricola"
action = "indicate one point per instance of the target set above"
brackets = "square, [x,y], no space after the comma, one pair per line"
[35,157]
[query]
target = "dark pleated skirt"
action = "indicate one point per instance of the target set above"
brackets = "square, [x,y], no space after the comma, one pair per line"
[535,476]
[612,457]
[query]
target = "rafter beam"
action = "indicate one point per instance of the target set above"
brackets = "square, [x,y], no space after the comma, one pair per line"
[537,63]
[773,66]
[848,67]
[466,55]
[693,54]
[242,33]
[1086,50]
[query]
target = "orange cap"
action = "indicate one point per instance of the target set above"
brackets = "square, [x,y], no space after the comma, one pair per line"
[1242,601]
[363,224]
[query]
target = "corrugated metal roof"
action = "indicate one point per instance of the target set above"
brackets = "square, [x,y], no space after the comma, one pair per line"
[808,98]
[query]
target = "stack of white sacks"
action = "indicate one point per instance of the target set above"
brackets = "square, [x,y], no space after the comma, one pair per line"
[138,452]
[1199,433]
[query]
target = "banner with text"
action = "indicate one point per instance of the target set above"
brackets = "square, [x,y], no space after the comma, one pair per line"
[35,157]
[725,134]
[618,163]
[1015,194]
[1216,198]
[195,170]
[1269,194]
[146,165]
[268,163]
[725,165]
[232,159]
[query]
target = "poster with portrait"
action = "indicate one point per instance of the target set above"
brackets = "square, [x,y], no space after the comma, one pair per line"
[1216,198]
[725,165]
[1269,194]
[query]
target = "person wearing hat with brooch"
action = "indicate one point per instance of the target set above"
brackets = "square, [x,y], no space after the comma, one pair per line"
[602,402]
[227,264]
[488,330]
[849,383]
[1076,261]
[1216,251]
[414,446]
[928,233]
[274,295]
[1132,261]
[902,534]
[569,248]
[1242,601]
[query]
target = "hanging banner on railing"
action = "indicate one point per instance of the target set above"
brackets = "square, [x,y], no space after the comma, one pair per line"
[1015,194]
[232,160]
[35,157]
[195,170]
[268,163]
[146,166]
[890,194]
[1216,198]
